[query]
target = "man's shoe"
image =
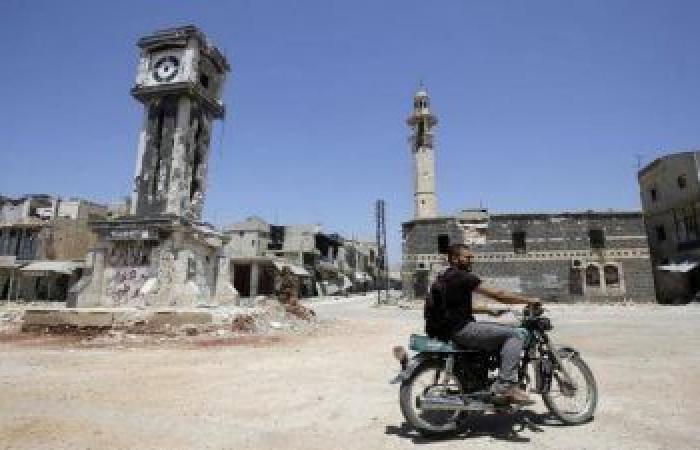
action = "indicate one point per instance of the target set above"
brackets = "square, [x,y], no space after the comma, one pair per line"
[513,395]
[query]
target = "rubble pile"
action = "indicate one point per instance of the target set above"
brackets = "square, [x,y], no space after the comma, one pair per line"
[142,327]
[10,321]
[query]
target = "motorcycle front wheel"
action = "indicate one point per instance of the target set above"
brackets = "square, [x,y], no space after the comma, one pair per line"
[572,404]
[429,380]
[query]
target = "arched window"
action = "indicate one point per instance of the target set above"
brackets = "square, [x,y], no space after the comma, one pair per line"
[592,276]
[612,276]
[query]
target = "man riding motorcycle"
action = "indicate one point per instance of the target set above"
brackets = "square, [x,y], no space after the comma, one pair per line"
[459,283]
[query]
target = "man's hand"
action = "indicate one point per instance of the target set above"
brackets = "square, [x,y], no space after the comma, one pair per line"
[498,312]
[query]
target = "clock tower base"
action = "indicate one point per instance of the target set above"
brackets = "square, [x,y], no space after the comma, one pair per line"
[156,262]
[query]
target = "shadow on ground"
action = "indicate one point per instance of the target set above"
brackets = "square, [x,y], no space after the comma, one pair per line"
[504,427]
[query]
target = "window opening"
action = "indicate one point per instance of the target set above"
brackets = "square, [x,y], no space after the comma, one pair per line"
[612,276]
[597,238]
[157,144]
[660,233]
[195,184]
[519,244]
[592,276]
[204,81]
[443,243]
[191,269]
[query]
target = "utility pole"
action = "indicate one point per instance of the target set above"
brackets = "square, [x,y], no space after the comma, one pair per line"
[383,275]
[385,254]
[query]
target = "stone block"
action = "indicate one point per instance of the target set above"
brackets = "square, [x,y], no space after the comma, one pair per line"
[99,319]
[42,317]
[178,318]
[67,317]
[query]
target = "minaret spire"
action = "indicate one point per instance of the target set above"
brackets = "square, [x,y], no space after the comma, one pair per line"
[422,122]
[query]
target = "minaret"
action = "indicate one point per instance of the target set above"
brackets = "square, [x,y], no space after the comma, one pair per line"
[421,122]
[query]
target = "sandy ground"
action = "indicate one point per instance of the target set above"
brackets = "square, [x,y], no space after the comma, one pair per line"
[329,390]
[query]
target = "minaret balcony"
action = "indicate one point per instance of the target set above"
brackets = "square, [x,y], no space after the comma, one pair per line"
[428,119]
[425,140]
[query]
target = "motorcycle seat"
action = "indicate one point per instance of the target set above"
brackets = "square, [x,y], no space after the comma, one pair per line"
[422,343]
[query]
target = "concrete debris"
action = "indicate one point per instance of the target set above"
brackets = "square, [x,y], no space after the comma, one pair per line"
[129,327]
[276,325]
[244,323]
[189,330]
[300,311]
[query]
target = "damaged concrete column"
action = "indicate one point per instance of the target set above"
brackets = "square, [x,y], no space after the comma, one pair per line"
[92,294]
[225,292]
[179,190]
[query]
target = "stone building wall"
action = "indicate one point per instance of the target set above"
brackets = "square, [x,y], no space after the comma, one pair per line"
[558,261]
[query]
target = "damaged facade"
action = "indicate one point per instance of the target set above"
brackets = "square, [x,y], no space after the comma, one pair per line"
[161,254]
[43,243]
[324,264]
[670,194]
[597,256]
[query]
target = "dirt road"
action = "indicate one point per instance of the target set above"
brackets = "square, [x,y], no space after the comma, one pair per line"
[329,390]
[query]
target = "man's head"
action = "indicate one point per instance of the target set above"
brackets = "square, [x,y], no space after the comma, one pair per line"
[459,256]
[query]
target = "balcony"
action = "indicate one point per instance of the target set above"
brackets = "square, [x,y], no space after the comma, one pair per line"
[425,140]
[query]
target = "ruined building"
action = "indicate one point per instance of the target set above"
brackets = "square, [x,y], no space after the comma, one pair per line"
[162,254]
[43,242]
[324,263]
[567,256]
[670,193]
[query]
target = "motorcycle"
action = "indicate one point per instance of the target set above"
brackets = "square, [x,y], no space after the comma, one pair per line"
[443,383]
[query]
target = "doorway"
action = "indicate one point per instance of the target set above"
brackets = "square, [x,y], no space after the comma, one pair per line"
[241,279]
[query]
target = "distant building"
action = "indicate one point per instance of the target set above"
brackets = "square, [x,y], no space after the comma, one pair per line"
[670,192]
[324,263]
[596,256]
[43,244]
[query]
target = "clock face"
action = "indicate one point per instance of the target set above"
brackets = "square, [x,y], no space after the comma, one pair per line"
[166,68]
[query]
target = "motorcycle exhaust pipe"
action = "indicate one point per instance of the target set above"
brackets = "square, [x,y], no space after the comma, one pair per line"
[440,404]
[401,355]
[453,404]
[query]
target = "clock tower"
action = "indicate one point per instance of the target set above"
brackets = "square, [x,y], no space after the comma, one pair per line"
[162,254]
[179,81]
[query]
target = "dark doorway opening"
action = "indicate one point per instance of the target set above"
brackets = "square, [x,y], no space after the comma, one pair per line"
[241,279]
[443,243]
[575,282]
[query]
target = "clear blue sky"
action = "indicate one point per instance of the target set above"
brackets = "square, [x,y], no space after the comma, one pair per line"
[543,105]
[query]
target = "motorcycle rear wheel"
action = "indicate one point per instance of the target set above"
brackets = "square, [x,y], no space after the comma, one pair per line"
[572,406]
[429,379]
